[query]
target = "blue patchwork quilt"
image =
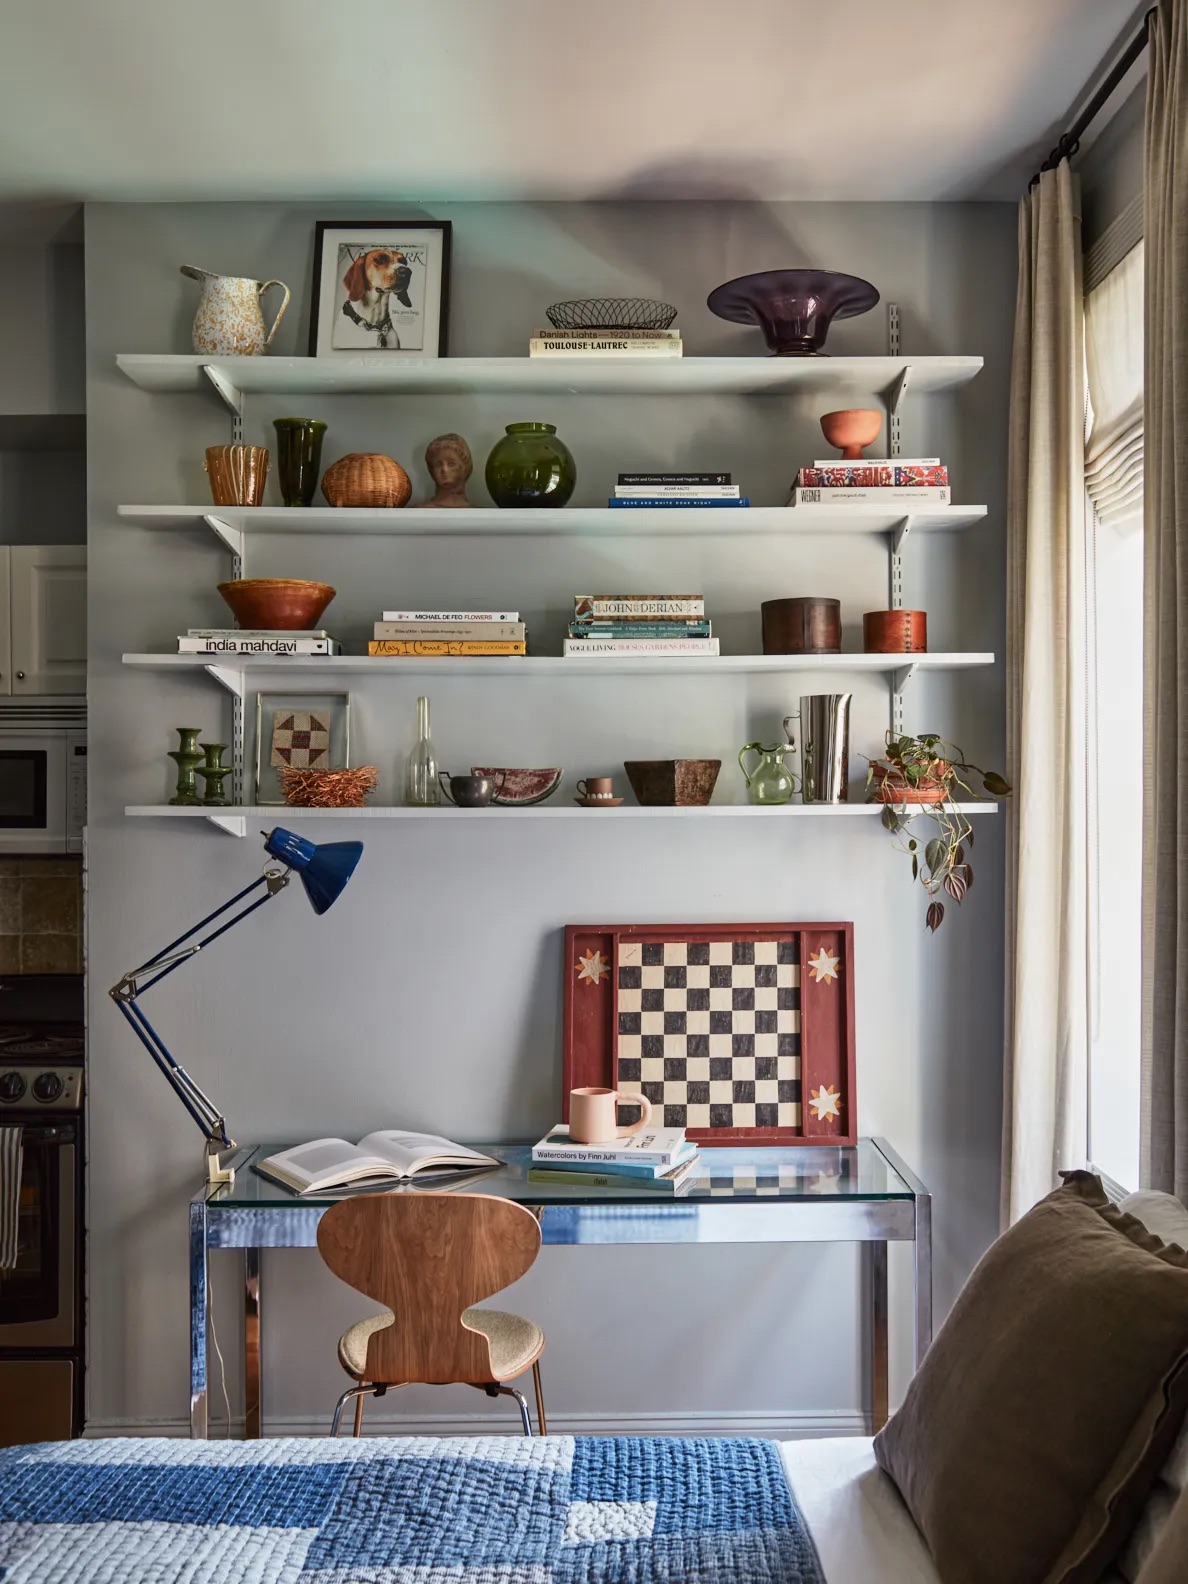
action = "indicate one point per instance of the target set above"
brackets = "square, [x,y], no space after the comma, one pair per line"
[387,1510]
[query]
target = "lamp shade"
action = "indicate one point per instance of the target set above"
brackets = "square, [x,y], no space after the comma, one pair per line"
[323,869]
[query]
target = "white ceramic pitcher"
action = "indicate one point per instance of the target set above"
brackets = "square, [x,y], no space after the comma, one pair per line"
[229,322]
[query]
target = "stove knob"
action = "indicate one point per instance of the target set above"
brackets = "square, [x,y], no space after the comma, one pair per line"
[47,1086]
[12,1086]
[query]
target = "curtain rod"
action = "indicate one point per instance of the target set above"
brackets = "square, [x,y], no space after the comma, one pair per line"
[1070,141]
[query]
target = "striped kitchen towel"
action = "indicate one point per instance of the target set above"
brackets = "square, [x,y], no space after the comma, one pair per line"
[10,1196]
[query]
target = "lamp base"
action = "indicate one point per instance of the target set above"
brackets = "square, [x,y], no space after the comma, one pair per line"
[216,1172]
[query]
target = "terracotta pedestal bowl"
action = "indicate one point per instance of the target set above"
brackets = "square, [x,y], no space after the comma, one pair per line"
[851,429]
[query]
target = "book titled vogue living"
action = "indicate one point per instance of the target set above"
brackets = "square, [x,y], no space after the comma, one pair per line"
[639,646]
[388,1155]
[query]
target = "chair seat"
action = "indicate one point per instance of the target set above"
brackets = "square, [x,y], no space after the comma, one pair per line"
[515,1342]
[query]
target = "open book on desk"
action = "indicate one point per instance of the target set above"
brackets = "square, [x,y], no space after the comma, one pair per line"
[387,1156]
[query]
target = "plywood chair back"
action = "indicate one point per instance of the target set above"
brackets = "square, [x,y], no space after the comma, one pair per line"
[428,1258]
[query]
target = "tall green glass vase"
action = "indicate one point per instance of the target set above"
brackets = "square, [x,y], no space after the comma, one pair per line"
[187,757]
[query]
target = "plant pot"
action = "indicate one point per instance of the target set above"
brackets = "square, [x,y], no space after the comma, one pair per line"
[890,787]
[850,429]
[531,467]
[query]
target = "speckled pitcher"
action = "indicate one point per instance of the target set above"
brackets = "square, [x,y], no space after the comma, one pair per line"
[229,322]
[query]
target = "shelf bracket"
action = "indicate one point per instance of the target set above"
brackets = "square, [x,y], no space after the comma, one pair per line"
[232,824]
[899,681]
[229,677]
[899,537]
[899,390]
[233,538]
[231,393]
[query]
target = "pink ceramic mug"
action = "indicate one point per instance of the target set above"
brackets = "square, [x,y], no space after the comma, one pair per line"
[593,1117]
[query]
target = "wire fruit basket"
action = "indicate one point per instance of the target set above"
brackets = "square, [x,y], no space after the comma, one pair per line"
[611,313]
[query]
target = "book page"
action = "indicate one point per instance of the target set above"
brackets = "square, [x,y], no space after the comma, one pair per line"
[410,1151]
[309,1162]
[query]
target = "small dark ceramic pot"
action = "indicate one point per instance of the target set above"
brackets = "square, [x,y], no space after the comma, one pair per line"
[468,791]
[530,466]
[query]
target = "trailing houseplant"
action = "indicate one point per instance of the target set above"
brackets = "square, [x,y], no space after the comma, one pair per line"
[926,775]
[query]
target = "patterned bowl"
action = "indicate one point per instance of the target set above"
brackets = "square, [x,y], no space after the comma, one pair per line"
[521,787]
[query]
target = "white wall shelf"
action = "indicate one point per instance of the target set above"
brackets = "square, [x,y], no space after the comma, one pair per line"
[234,524]
[234,821]
[231,670]
[234,378]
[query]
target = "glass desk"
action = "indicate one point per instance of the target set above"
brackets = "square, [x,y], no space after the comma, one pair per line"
[860,1194]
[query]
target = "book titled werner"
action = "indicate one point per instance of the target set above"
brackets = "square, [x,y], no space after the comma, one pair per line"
[387,1155]
[664,1146]
[886,495]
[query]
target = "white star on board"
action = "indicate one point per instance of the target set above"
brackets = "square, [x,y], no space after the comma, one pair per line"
[592,968]
[824,965]
[824,1183]
[826,1103]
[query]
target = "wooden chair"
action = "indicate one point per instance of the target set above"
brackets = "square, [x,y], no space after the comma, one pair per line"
[428,1257]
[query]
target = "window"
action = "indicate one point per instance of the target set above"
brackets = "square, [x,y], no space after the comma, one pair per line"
[1114,625]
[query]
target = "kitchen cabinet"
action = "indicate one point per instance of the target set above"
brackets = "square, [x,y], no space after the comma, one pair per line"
[43,619]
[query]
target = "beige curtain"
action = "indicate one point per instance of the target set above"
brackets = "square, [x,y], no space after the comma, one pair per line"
[1165,529]
[1044,1109]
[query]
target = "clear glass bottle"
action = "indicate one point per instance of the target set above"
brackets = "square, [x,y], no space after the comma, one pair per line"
[421,789]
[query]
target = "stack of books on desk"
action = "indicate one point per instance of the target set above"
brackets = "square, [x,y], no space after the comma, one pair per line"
[677,489]
[253,641]
[883,481]
[430,634]
[659,1159]
[606,625]
[605,343]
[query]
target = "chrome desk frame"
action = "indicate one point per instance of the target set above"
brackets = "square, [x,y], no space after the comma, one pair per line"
[873,1222]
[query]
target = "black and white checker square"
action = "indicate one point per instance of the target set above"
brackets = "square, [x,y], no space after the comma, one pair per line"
[709,1031]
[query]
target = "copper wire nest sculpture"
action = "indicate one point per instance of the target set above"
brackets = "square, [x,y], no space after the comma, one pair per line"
[328,788]
[612,313]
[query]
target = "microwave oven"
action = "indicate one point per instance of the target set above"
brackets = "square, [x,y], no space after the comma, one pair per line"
[43,775]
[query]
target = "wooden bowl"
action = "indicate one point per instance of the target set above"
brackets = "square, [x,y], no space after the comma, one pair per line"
[673,783]
[269,604]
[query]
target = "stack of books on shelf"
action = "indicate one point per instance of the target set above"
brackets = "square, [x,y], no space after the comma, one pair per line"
[877,481]
[605,343]
[257,641]
[430,634]
[639,624]
[676,489]
[660,1159]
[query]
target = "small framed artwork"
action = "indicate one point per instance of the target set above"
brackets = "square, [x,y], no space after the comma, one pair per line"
[380,287]
[738,1033]
[299,731]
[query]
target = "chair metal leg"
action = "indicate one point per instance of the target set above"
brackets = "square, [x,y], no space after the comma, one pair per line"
[359,1415]
[357,1392]
[510,1391]
[540,1411]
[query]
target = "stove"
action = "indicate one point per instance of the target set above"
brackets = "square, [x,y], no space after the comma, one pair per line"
[41,1067]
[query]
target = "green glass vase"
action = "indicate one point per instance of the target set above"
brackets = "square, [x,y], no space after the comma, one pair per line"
[298,458]
[214,772]
[531,467]
[187,758]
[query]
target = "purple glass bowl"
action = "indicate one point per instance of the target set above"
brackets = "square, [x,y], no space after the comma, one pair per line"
[794,308]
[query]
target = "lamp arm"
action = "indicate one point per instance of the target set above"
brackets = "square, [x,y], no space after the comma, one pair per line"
[201,1108]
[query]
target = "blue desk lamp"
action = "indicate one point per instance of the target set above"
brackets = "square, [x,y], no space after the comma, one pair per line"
[323,871]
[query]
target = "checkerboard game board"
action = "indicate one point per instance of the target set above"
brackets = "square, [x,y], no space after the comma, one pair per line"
[709,1031]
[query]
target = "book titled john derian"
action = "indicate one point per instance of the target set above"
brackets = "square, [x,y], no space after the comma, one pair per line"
[637,607]
[390,1155]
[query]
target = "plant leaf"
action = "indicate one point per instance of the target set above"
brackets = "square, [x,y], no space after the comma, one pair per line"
[955,886]
[889,818]
[969,836]
[915,867]
[995,784]
[934,918]
[934,855]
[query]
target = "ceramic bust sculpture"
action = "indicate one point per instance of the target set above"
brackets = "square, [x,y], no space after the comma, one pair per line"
[450,464]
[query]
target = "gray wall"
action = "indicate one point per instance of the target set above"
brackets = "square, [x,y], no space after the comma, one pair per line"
[1111,171]
[431,996]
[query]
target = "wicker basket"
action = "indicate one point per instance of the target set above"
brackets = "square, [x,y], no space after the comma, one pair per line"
[366,478]
[327,788]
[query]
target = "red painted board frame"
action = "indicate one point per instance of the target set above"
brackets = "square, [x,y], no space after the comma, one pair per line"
[826,1021]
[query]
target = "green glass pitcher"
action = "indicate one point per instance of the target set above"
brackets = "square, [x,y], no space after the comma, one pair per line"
[770,782]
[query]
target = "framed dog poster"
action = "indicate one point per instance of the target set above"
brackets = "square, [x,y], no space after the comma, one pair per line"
[380,288]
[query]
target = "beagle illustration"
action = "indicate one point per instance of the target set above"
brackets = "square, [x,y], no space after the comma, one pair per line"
[371,280]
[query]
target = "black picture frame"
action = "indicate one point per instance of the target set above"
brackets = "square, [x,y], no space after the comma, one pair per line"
[326,290]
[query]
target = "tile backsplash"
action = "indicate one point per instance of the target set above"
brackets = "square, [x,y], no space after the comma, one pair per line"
[40,915]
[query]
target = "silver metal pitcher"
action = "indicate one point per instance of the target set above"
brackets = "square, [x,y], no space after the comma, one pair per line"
[824,746]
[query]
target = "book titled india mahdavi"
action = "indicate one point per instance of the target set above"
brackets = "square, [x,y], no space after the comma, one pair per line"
[234,642]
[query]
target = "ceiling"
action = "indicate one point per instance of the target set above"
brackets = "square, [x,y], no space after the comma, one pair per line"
[441,100]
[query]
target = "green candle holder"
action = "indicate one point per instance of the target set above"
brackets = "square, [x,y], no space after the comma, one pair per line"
[214,772]
[187,758]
